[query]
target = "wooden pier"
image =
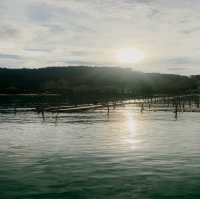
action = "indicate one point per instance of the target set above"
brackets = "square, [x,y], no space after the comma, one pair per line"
[175,104]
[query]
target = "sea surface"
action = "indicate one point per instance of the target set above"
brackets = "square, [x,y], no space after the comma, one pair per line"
[94,155]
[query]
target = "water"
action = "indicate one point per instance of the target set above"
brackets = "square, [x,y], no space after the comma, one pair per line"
[92,155]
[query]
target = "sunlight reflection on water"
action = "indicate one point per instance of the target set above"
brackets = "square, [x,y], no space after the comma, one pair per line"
[92,155]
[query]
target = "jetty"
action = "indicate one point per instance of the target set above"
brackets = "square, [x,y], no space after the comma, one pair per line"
[175,104]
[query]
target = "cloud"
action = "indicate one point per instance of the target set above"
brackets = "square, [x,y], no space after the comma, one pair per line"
[41,13]
[177,69]
[191,30]
[9,56]
[7,32]
[180,61]
[46,32]
[37,50]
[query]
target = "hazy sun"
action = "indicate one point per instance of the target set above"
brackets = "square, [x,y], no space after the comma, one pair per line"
[129,55]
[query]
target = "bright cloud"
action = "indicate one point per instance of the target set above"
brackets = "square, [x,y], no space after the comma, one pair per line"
[39,33]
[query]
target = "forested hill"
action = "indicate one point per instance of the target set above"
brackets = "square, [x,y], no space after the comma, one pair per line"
[96,80]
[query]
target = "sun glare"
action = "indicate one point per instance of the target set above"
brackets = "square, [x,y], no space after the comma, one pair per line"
[129,55]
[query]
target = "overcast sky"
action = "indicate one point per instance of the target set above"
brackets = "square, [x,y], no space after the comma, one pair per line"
[39,33]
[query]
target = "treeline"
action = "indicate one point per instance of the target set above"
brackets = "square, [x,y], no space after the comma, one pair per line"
[102,81]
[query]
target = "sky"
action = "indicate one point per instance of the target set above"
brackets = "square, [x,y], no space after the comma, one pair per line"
[41,33]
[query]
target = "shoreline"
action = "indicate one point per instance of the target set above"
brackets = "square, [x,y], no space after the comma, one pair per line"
[30,94]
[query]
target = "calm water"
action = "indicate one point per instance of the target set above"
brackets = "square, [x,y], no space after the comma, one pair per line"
[92,155]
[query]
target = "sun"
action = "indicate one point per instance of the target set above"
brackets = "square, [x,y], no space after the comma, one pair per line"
[129,55]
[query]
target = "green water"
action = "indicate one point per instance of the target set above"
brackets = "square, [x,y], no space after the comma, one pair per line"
[92,155]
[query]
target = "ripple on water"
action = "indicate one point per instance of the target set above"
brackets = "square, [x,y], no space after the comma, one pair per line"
[93,155]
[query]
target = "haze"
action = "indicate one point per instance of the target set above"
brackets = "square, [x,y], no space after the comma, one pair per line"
[40,33]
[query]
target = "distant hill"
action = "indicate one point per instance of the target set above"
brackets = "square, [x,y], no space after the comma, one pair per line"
[93,80]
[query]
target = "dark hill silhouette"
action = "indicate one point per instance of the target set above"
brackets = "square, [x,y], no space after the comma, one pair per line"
[93,80]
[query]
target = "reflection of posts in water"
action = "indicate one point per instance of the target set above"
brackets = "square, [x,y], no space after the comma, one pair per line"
[190,104]
[43,117]
[142,107]
[197,101]
[179,105]
[114,105]
[15,110]
[176,111]
[40,110]
[107,116]
[108,108]
[168,102]
[56,118]
[183,107]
